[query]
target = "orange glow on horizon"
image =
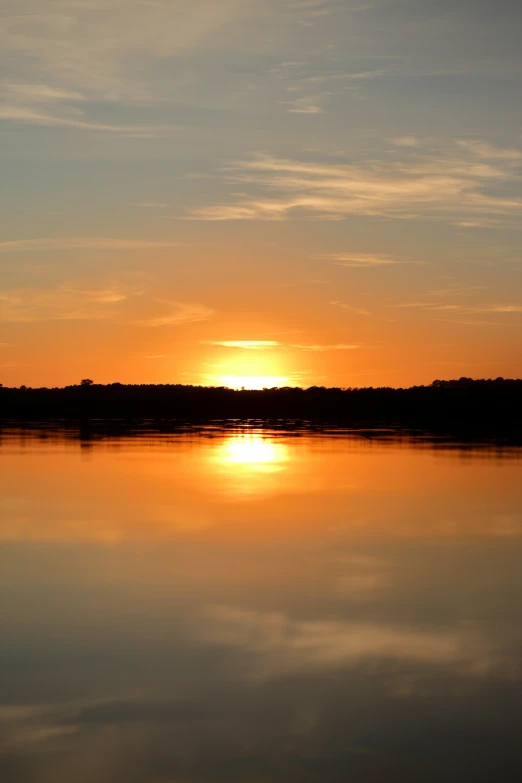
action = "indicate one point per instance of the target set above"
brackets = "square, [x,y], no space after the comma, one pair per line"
[252,382]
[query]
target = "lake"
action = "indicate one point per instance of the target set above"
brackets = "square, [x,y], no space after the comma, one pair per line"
[255,606]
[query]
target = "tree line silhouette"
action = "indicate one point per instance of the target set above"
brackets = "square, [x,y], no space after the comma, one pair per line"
[467,405]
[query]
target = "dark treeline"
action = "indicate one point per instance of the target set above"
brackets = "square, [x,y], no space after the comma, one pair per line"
[464,405]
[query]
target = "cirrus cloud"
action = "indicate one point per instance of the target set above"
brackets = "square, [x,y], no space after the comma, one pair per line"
[318,347]
[177,313]
[82,243]
[358,260]
[250,345]
[452,184]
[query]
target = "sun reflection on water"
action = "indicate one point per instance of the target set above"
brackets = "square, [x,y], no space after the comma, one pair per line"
[253,452]
[251,463]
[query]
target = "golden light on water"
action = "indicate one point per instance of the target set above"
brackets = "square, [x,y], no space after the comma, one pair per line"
[251,464]
[253,452]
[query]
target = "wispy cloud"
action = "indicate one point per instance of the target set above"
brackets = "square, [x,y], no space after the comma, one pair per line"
[28,725]
[178,313]
[500,308]
[117,302]
[446,186]
[73,64]
[457,290]
[250,345]
[82,243]
[284,644]
[351,308]
[77,41]
[318,348]
[305,105]
[257,345]
[466,310]
[489,152]
[309,12]
[481,308]
[471,322]
[24,114]
[309,87]
[358,260]
[150,204]
[42,93]
[65,303]
[407,141]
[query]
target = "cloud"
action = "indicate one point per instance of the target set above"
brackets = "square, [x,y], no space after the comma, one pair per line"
[465,314]
[116,302]
[469,322]
[489,151]
[23,114]
[496,223]
[407,141]
[151,205]
[285,645]
[65,303]
[25,726]
[319,348]
[305,105]
[57,106]
[425,305]
[443,185]
[82,65]
[356,310]
[82,243]
[245,344]
[250,210]
[40,92]
[456,290]
[264,344]
[500,308]
[310,11]
[104,49]
[358,260]
[327,78]
[331,75]
[363,576]
[178,313]
[463,308]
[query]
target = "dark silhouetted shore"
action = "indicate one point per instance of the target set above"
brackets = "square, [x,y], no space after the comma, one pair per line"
[465,406]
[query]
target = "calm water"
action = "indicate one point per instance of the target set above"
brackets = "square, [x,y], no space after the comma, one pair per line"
[259,608]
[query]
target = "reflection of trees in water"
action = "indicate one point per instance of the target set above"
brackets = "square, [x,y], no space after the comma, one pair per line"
[465,407]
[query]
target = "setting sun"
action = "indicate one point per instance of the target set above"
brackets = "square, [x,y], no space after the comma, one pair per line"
[252,382]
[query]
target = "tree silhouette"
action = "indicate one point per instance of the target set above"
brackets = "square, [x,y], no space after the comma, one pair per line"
[468,407]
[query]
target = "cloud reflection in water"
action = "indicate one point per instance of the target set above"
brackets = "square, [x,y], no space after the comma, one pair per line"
[243,625]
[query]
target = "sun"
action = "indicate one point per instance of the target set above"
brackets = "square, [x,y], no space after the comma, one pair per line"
[249,365]
[252,382]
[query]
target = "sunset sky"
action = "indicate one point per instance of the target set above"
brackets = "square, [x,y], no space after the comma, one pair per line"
[260,192]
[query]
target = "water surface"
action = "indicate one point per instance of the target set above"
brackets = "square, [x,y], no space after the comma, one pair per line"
[254,607]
